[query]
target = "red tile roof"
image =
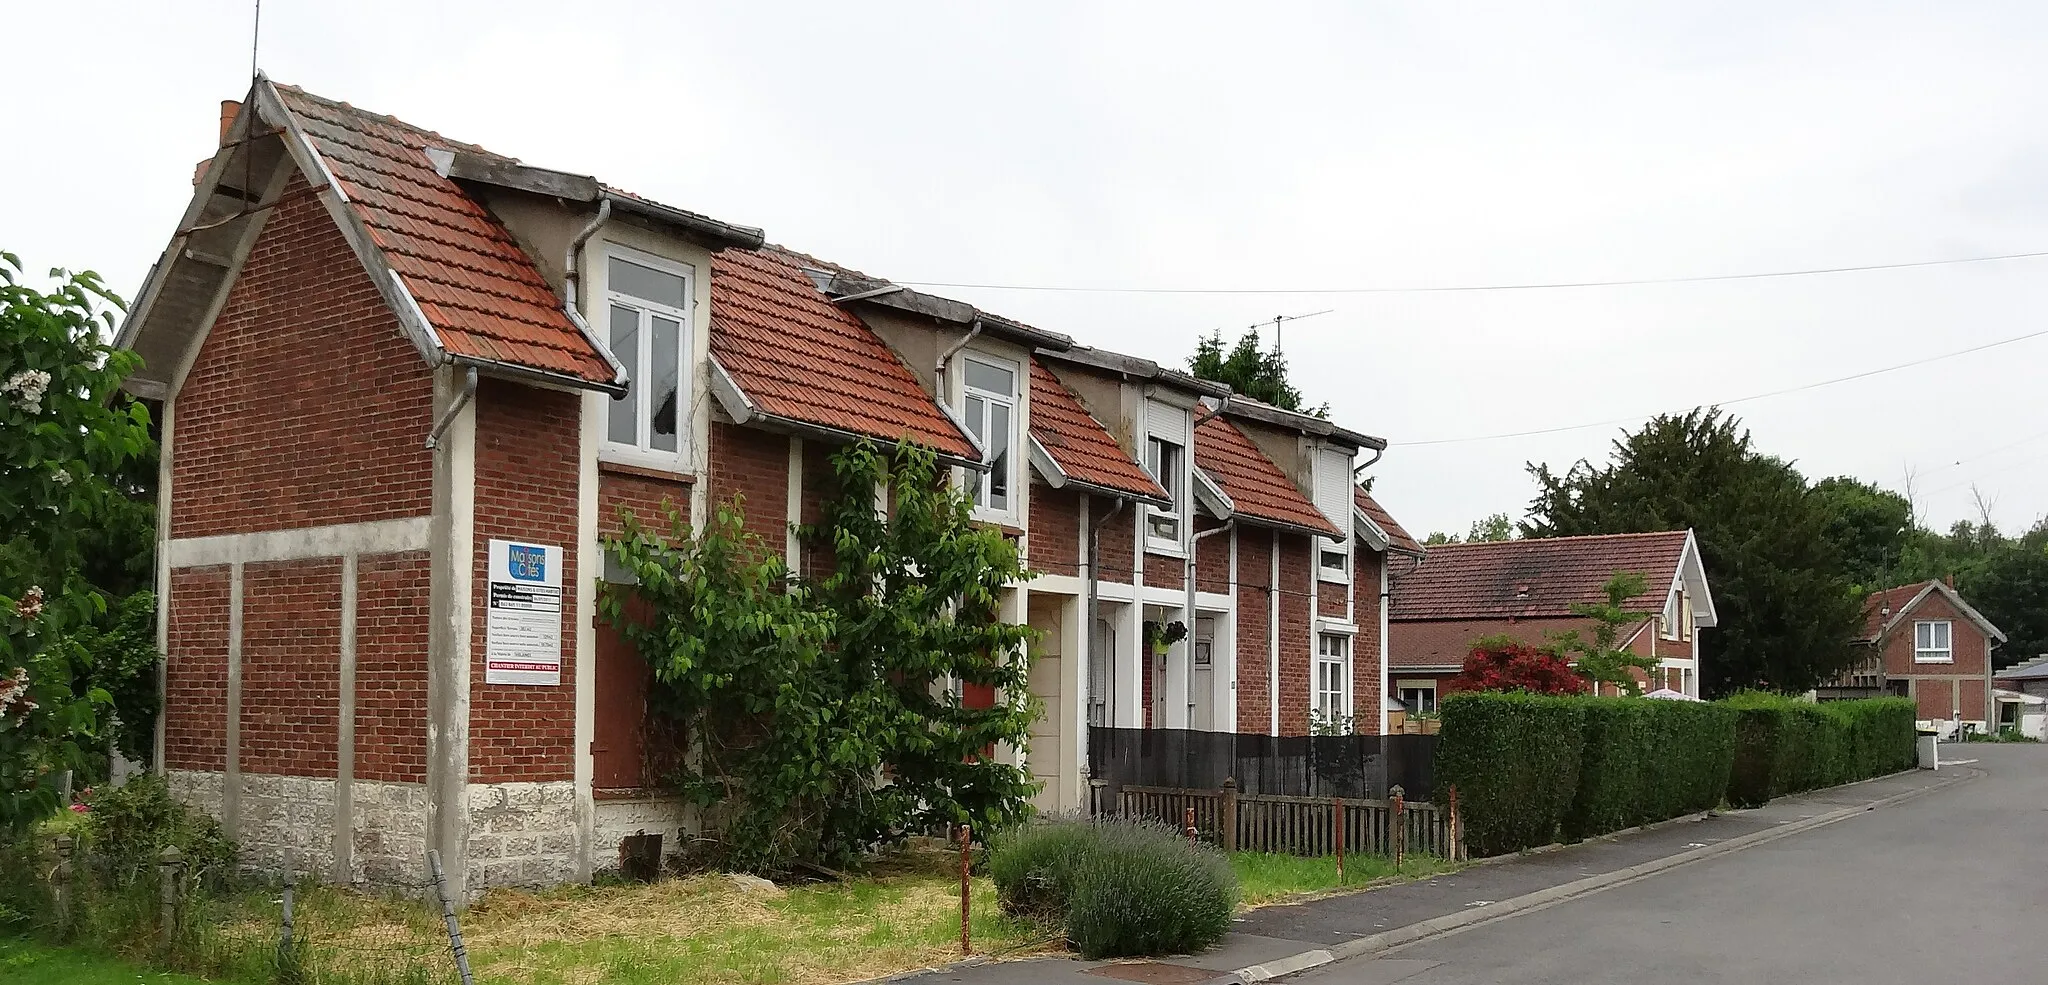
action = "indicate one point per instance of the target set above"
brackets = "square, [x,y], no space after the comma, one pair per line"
[1397,536]
[481,293]
[1446,642]
[1259,489]
[1537,577]
[797,355]
[1078,442]
[1875,613]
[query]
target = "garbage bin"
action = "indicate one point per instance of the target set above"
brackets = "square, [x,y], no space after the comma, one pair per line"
[1929,745]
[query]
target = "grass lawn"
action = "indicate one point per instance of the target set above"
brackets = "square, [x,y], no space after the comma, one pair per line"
[26,963]
[1265,877]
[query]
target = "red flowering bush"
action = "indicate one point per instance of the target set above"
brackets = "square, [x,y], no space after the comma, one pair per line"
[1502,664]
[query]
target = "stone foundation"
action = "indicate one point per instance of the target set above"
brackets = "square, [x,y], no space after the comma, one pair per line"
[287,820]
[388,830]
[522,834]
[617,820]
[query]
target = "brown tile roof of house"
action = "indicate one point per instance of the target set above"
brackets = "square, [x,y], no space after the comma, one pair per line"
[1536,577]
[1883,605]
[1261,492]
[1078,443]
[481,293]
[1398,537]
[1446,642]
[797,355]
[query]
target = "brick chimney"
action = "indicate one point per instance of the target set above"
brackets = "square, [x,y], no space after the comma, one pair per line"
[1950,580]
[229,109]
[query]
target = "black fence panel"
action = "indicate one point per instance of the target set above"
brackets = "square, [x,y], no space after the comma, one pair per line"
[1360,766]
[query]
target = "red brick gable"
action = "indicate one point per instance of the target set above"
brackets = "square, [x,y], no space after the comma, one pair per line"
[481,293]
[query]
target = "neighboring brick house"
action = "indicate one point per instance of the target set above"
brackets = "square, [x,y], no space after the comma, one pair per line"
[1927,644]
[1458,593]
[406,385]
[2027,677]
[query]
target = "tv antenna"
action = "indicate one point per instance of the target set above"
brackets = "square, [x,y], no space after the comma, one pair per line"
[1279,320]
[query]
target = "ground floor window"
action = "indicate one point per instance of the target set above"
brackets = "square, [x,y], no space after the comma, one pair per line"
[1419,697]
[1333,677]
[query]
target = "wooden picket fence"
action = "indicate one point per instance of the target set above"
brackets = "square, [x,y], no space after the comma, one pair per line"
[1306,826]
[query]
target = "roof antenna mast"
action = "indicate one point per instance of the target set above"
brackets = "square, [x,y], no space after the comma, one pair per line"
[255,40]
[1279,320]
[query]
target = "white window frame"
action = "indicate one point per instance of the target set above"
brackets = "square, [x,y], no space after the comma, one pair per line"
[1177,489]
[1331,487]
[1401,688]
[1318,694]
[975,482]
[1931,654]
[642,451]
[1338,575]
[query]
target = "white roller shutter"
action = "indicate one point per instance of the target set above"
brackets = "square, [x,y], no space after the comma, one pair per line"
[1163,420]
[1333,486]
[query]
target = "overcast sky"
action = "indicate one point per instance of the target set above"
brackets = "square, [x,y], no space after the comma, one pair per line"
[1238,146]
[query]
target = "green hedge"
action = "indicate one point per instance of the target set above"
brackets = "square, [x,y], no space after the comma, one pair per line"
[1515,760]
[1648,760]
[1785,746]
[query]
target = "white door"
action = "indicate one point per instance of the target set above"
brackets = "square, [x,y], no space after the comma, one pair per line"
[1201,686]
[1101,660]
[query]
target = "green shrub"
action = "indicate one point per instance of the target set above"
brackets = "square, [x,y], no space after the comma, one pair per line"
[129,826]
[1648,760]
[1515,759]
[1118,887]
[1785,746]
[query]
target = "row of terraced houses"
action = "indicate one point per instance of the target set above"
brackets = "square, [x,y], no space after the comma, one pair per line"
[406,384]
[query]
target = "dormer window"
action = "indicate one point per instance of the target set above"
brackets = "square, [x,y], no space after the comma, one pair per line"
[989,404]
[1166,457]
[648,325]
[1333,500]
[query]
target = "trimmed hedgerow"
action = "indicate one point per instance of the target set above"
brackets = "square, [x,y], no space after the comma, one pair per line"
[1515,760]
[1785,746]
[1649,760]
[1118,887]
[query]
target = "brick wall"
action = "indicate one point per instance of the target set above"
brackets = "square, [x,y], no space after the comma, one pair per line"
[305,406]
[1212,560]
[196,672]
[1964,636]
[291,667]
[753,464]
[1365,647]
[647,497]
[1115,539]
[1162,571]
[1333,598]
[1055,530]
[819,483]
[527,452]
[391,666]
[1297,633]
[1254,621]
[1935,698]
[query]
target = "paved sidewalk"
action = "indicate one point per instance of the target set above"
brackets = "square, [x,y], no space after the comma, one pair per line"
[1279,939]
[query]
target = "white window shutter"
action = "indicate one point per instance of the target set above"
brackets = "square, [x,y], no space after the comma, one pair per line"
[1333,486]
[1164,420]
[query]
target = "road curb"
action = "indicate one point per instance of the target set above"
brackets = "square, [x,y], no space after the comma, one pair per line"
[1402,936]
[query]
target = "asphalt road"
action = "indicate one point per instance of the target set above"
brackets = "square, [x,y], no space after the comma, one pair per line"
[1951,887]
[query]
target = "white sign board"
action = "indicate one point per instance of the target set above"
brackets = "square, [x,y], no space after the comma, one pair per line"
[523,627]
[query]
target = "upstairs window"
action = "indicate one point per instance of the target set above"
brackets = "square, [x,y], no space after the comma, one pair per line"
[989,403]
[1332,483]
[1166,461]
[1333,562]
[1333,678]
[648,329]
[1932,643]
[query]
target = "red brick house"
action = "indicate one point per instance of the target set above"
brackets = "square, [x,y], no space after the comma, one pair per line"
[1926,643]
[405,384]
[1455,594]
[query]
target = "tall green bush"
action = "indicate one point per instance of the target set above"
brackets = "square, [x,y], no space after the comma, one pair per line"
[1649,760]
[1515,760]
[1785,746]
[1118,887]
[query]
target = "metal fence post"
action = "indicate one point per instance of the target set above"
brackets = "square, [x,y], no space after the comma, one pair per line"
[966,892]
[60,886]
[284,932]
[170,865]
[448,916]
[1400,827]
[1226,814]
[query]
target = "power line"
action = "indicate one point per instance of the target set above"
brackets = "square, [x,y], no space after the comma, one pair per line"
[1471,288]
[1738,400]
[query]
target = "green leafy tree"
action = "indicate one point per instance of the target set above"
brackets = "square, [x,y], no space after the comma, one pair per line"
[825,714]
[63,432]
[1871,528]
[1787,606]
[1492,528]
[2011,589]
[1604,659]
[1250,369]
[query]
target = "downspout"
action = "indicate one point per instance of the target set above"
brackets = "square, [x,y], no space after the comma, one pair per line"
[462,399]
[572,265]
[939,370]
[1094,608]
[1188,679]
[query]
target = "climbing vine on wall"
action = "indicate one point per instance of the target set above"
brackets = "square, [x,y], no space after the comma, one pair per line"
[825,714]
